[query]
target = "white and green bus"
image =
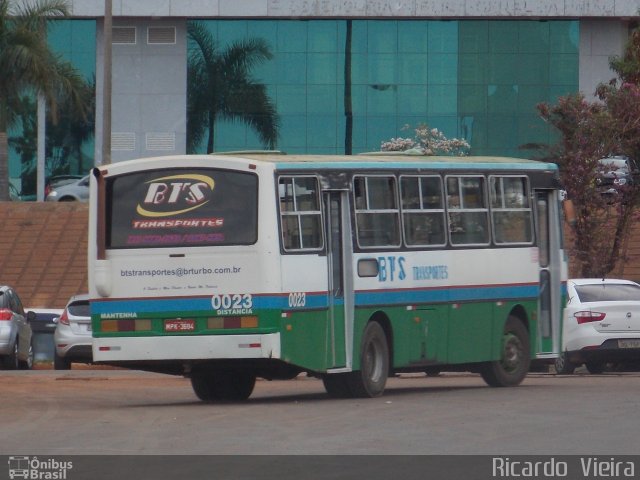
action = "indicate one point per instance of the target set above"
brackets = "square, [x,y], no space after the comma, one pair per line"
[229,267]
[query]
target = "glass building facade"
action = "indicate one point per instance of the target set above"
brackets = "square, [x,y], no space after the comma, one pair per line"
[473,79]
[348,85]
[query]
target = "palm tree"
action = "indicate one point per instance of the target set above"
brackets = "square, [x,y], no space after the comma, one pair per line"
[220,85]
[28,64]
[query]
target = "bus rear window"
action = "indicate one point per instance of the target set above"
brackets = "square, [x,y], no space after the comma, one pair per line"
[182,208]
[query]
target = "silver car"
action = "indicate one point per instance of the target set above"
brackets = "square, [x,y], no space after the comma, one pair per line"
[72,338]
[16,346]
[76,191]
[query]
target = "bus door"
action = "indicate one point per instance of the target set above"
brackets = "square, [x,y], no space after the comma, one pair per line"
[549,253]
[340,281]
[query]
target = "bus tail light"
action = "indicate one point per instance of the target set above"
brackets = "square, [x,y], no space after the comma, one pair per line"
[587,316]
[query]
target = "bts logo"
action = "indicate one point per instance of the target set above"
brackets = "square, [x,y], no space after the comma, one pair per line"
[175,194]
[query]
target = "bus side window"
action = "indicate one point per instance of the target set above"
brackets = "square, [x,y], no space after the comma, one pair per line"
[377,212]
[467,210]
[511,215]
[300,216]
[422,210]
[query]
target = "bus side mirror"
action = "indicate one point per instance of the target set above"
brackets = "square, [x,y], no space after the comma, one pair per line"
[368,267]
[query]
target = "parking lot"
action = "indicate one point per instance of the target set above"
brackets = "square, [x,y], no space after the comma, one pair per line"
[114,412]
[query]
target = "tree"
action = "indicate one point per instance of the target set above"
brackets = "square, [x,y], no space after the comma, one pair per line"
[28,64]
[589,132]
[221,86]
[429,141]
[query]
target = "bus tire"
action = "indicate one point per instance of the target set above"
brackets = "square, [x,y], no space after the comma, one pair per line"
[337,385]
[221,385]
[515,357]
[371,379]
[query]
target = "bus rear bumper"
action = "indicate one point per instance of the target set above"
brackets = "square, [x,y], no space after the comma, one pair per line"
[201,347]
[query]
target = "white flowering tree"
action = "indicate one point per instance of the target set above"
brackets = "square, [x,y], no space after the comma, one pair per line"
[430,141]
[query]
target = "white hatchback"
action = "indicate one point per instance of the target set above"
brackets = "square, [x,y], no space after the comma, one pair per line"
[601,324]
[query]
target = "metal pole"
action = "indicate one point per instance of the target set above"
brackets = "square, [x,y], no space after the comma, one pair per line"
[42,139]
[106,86]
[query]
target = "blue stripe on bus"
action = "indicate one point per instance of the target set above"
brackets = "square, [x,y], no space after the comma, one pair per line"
[320,300]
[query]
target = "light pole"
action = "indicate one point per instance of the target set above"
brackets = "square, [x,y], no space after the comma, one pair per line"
[106,85]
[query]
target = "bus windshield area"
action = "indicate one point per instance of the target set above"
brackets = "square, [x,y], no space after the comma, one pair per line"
[182,207]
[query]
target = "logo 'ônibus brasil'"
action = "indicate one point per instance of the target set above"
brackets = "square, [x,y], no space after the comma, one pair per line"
[175,194]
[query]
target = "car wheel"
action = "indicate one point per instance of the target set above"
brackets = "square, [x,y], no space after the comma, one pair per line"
[515,358]
[61,363]
[563,365]
[11,360]
[211,385]
[28,363]
[595,367]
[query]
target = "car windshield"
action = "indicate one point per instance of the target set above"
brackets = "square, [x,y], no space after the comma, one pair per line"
[615,164]
[608,292]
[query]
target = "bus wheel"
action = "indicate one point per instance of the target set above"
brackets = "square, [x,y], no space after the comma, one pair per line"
[222,386]
[515,358]
[337,385]
[371,379]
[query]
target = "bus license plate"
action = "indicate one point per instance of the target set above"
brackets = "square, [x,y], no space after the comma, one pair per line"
[180,325]
[631,343]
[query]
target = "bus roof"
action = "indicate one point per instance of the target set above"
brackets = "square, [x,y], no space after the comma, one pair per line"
[394,160]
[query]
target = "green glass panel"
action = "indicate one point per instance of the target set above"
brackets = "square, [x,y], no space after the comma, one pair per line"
[531,95]
[502,98]
[292,68]
[533,37]
[382,68]
[564,37]
[381,99]
[473,36]
[443,69]
[533,69]
[382,36]
[443,37]
[412,69]
[472,69]
[230,31]
[322,68]
[322,99]
[501,68]
[322,131]
[532,129]
[412,99]
[472,98]
[442,99]
[322,36]
[292,36]
[563,69]
[503,36]
[413,37]
[291,99]
[359,69]
[293,132]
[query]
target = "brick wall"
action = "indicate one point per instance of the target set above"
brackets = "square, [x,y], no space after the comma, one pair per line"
[43,251]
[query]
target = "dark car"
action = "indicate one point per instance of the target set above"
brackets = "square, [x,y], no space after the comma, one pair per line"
[616,173]
[16,336]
